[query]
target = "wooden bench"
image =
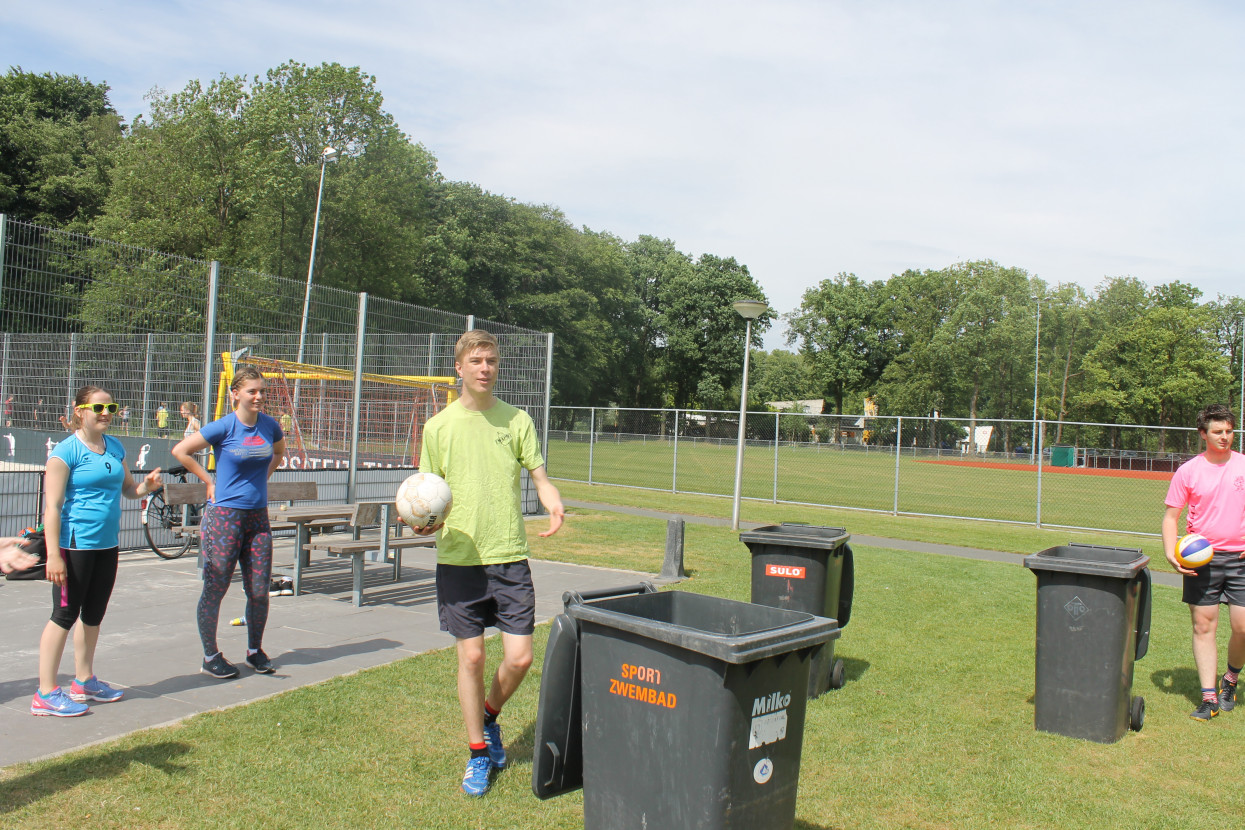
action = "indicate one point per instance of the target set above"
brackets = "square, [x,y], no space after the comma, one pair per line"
[377,546]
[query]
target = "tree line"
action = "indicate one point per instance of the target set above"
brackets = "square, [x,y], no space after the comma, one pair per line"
[229,170]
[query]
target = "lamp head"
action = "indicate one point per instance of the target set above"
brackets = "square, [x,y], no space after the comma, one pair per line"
[329,154]
[750,309]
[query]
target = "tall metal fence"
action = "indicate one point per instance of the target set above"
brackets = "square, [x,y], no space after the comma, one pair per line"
[1074,475]
[151,328]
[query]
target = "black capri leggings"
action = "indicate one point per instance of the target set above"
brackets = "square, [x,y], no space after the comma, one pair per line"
[85,594]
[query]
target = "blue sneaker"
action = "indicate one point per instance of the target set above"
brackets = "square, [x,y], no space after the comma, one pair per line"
[58,705]
[477,779]
[94,689]
[496,750]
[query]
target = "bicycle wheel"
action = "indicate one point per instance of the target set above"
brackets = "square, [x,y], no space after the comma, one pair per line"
[159,519]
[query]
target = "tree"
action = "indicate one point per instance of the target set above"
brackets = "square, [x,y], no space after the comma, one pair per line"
[57,136]
[845,335]
[780,376]
[700,333]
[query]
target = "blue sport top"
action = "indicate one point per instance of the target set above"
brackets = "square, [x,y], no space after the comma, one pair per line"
[91,516]
[242,457]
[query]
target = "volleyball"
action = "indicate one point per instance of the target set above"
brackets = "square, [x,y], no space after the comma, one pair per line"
[1193,551]
[423,500]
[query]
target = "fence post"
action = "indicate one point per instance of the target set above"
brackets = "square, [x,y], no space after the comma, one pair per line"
[898,444]
[209,354]
[672,565]
[776,417]
[674,478]
[352,478]
[4,370]
[3,243]
[146,384]
[1040,439]
[548,390]
[73,360]
[592,438]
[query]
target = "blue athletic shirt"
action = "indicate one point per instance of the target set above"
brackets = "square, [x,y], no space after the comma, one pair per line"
[242,457]
[91,517]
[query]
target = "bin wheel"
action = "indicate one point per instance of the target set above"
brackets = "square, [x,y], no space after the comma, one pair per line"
[837,675]
[1137,714]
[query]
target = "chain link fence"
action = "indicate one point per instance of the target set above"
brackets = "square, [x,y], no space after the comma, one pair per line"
[152,328]
[1074,475]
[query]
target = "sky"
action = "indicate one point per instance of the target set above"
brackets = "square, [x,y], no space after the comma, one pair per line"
[1076,140]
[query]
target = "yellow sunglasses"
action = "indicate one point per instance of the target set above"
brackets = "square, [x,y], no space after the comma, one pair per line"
[100,408]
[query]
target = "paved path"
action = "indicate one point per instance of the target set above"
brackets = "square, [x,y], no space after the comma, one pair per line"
[150,643]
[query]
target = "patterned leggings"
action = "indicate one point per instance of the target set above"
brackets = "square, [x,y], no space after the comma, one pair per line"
[232,536]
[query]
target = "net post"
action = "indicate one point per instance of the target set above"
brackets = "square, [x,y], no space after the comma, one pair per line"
[352,481]
[209,355]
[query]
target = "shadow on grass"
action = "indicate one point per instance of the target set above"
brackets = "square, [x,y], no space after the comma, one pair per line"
[16,793]
[854,669]
[804,825]
[1182,681]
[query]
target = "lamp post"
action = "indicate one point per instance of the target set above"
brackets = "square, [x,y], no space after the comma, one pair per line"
[749,310]
[329,154]
[1037,341]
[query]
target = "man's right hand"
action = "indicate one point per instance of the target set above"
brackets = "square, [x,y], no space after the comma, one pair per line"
[13,557]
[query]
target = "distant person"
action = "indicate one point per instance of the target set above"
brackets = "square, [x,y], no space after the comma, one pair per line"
[287,423]
[8,411]
[83,484]
[248,445]
[190,411]
[37,410]
[1212,485]
[478,444]
[125,418]
[162,420]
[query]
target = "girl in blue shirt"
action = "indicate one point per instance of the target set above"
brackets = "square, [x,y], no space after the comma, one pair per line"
[83,485]
[248,446]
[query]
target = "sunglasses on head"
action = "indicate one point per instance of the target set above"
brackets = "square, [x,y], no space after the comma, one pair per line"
[100,408]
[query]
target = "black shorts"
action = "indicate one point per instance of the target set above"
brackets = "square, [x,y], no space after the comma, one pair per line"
[470,598]
[1222,579]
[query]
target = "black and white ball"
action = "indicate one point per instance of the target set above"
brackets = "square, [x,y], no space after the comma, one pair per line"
[424,500]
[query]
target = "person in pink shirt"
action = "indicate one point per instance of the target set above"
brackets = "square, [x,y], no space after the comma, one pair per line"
[1212,485]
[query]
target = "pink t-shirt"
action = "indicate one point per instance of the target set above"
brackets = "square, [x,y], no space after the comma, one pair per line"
[1215,494]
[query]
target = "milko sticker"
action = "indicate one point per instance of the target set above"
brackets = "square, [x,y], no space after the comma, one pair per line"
[769,719]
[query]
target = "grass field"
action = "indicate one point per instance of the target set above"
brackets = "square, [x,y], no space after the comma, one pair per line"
[867,480]
[934,728]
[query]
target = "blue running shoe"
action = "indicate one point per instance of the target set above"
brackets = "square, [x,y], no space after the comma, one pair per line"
[496,750]
[94,689]
[58,705]
[477,779]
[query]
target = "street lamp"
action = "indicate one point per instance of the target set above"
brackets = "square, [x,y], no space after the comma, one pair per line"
[329,154]
[749,310]
[1037,340]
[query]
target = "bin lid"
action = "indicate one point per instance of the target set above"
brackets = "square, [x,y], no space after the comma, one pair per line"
[725,629]
[558,757]
[797,535]
[1096,560]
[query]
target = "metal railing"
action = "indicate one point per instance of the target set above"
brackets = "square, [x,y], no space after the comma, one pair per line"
[1097,477]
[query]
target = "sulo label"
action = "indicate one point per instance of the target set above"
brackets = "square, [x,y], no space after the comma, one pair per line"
[788,571]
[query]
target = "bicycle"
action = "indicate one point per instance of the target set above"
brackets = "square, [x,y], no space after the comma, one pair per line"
[167,526]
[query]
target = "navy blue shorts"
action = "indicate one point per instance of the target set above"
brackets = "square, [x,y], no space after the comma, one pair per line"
[470,598]
[1221,580]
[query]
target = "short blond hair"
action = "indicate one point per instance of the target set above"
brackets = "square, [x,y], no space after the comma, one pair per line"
[472,340]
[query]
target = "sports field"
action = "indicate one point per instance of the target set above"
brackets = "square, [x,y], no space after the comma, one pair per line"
[934,728]
[869,478]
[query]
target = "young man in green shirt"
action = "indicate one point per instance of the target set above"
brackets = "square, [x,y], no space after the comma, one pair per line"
[479,444]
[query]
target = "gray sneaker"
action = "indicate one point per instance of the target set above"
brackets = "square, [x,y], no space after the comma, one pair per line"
[1227,695]
[219,668]
[1205,711]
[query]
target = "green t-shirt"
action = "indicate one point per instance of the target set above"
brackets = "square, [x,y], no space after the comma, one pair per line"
[479,454]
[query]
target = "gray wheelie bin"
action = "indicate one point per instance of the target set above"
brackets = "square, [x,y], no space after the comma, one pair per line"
[806,568]
[675,710]
[1093,621]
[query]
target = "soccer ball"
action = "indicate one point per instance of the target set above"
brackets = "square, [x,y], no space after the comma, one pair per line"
[1193,551]
[424,500]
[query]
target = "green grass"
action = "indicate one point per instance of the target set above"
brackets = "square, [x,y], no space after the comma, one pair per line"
[934,728]
[866,480]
